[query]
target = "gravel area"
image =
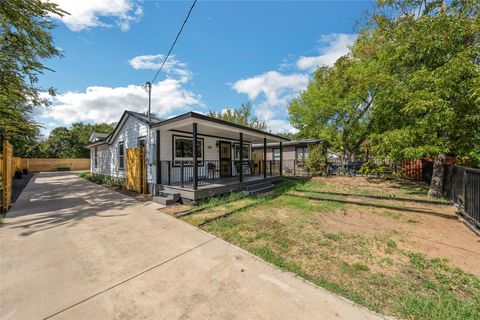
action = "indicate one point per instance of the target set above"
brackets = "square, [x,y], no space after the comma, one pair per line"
[19,185]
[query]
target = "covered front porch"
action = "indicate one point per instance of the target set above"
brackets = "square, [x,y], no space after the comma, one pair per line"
[199,155]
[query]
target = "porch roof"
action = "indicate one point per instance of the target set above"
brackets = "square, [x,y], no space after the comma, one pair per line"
[215,127]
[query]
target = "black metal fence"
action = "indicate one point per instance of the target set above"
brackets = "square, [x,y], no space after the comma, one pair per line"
[461,185]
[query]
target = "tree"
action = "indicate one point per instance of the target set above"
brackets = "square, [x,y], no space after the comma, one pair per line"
[25,43]
[411,85]
[337,105]
[432,53]
[71,142]
[242,115]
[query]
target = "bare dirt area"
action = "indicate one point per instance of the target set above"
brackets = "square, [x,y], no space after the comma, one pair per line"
[382,244]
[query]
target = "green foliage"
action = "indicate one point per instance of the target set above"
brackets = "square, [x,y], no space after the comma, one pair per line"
[411,85]
[315,162]
[102,179]
[242,115]
[25,44]
[71,142]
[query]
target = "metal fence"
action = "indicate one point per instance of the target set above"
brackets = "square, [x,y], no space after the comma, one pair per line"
[461,185]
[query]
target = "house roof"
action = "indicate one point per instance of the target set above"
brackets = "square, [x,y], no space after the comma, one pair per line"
[144,118]
[297,143]
[97,136]
[212,120]
[127,113]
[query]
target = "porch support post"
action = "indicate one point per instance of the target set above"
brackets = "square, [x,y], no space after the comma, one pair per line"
[281,158]
[265,158]
[240,176]
[158,164]
[195,163]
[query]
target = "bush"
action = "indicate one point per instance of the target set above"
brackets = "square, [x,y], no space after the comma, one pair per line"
[102,179]
[315,162]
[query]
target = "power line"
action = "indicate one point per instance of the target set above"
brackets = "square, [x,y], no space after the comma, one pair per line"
[174,42]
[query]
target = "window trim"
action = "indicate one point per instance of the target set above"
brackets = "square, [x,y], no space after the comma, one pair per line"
[175,159]
[121,163]
[141,138]
[249,153]
[95,158]
[296,153]
[273,153]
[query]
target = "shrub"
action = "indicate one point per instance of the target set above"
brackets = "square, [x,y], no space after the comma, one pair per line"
[315,162]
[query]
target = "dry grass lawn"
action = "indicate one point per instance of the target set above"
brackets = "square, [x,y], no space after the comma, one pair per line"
[382,244]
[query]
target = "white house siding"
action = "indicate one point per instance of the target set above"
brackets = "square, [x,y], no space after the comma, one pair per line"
[131,130]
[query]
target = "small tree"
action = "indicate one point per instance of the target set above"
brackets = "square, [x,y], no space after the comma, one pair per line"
[316,161]
[242,115]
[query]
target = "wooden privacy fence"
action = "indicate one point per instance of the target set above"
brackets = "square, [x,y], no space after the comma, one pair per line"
[136,170]
[7,164]
[54,164]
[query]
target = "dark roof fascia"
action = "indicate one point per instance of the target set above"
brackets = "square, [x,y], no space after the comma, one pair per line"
[136,116]
[291,143]
[215,120]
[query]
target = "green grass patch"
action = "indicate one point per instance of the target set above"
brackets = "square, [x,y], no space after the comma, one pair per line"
[290,231]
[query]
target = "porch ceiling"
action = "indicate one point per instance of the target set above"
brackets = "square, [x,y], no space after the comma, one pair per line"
[217,128]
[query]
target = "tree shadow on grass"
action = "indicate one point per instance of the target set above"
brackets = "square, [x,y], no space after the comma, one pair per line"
[366,204]
[377,197]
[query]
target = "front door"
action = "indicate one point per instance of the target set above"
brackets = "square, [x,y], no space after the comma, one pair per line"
[225,158]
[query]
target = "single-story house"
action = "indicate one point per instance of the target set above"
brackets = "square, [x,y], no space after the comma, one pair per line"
[191,156]
[293,153]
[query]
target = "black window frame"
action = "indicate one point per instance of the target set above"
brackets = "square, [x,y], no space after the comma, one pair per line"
[95,158]
[305,153]
[121,157]
[144,138]
[248,153]
[176,162]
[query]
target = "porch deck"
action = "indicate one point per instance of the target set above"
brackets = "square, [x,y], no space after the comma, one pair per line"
[210,188]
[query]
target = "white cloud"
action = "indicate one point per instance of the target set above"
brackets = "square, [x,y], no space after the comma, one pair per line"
[86,14]
[272,90]
[106,104]
[274,85]
[173,66]
[275,90]
[331,46]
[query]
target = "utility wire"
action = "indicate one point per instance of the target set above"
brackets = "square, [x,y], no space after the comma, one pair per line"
[174,42]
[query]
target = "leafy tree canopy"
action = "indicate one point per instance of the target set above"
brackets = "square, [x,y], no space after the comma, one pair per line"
[242,116]
[71,142]
[25,43]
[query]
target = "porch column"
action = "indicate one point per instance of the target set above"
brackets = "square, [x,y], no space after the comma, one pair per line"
[158,164]
[240,176]
[281,158]
[265,158]
[195,163]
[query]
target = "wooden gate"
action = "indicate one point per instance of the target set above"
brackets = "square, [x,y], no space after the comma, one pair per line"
[6,164]
[136,170]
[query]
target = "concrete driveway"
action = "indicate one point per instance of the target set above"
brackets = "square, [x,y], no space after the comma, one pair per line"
[73,250]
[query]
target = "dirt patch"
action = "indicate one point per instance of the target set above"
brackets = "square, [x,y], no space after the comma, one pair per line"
[132,194]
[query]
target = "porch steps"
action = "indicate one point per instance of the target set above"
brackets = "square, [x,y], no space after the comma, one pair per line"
[257,188]
[167,198]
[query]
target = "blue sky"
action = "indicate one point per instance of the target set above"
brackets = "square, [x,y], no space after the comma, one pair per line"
[230,52]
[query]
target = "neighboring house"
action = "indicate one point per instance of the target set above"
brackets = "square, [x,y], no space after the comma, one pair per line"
[171,170]
[293,155]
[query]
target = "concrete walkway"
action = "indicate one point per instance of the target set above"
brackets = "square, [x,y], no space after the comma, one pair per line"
[73,250]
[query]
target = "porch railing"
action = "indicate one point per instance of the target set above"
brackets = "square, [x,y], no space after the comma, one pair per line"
[180,173]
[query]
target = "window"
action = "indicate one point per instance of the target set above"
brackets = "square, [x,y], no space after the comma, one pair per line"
[183,149]
[246,151]
[276,154]
[141,142]
[302,153]
[121,155]
[95,157]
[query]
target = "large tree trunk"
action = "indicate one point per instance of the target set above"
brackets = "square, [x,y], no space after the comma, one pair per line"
[436,185]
